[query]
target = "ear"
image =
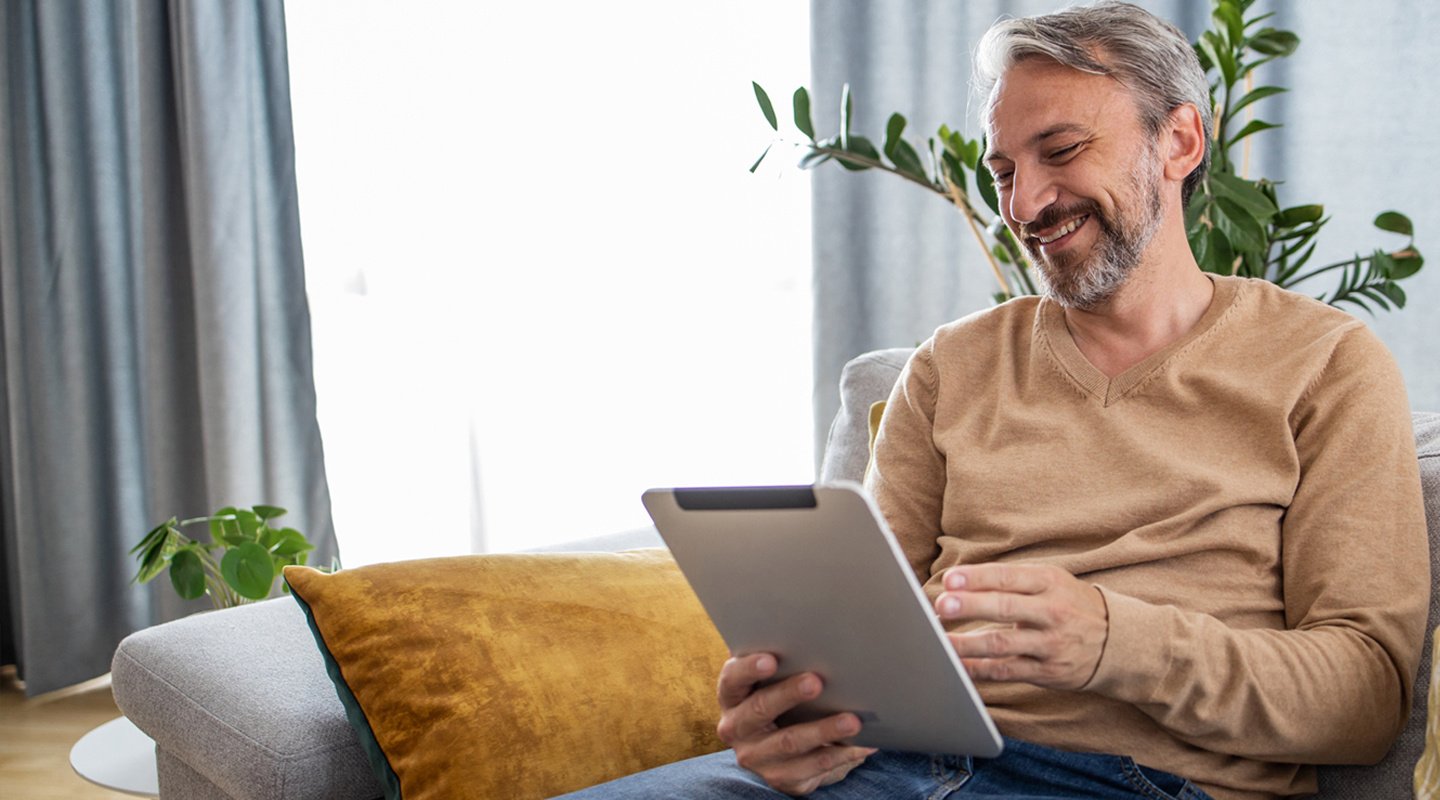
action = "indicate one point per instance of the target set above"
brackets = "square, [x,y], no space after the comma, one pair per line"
[1183,142]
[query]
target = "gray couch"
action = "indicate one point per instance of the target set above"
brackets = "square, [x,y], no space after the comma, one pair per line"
[240,706]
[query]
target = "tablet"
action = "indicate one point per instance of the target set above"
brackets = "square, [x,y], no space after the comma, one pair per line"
[814,575]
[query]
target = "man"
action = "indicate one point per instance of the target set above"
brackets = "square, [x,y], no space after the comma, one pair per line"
[1166,516]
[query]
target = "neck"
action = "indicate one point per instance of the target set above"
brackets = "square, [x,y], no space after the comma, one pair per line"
[1161,302]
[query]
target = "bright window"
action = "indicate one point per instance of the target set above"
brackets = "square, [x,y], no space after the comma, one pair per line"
[541,278]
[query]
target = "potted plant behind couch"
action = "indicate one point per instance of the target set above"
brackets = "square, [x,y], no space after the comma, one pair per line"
[252,555]
[1236,225]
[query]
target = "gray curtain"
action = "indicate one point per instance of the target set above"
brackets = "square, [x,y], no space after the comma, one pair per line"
[156,337]
[892,261]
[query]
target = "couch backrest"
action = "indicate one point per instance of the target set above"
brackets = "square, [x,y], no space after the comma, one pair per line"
[870,377]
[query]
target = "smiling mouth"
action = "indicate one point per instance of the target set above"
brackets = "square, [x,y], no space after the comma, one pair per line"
[1062,231]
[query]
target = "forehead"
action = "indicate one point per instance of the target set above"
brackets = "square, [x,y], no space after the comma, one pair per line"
[1037,96]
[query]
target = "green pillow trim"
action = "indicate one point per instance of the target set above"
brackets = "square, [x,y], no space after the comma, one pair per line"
[389,781]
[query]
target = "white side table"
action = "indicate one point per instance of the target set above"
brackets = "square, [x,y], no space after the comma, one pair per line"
[118,756]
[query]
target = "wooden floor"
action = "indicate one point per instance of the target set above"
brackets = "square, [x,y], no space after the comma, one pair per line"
[36,736]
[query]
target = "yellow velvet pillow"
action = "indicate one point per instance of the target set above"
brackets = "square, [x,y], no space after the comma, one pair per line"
[877,412]
[517,675]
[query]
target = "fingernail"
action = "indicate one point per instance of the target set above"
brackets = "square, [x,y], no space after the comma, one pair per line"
[810,686]
[765,663]
[849,726]
[949,606]
[954,580]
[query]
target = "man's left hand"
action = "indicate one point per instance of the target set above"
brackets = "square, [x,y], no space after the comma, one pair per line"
[1053,625]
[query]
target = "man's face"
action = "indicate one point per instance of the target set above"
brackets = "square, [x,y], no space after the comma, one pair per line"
[1078,178]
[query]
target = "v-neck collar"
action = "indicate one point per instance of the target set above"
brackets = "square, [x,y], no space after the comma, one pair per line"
[1051,328]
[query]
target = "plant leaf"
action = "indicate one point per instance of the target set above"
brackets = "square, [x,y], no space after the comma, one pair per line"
[221,527]
[1255,95]
[290,543]
[249,570]
[268,512]
[900,152]
[756,165]
[1395,222]
[1228,15]
[1222,254]
[1219,55]
[971,156]
[1406,263]
[1241,229]
[1251,127]
[1382,264]
[893,129]
[1245,194]
[1393,291]
[765,107]
[814,158]
[985,185]
[954,172]
[1259,19]
[1270,42]
[1299,215]
[860,146]
[249,523]
[801,102]
[187,574]
[908,161]
[156,533]
[1283,279]
[152,561]
[845,108]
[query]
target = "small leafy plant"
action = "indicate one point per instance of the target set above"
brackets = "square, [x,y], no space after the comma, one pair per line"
[252,554]
[1235,225]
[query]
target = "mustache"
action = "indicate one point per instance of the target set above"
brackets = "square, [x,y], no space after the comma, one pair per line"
[1054,215]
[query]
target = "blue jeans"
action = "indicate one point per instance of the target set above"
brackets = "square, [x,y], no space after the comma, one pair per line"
[1023,772]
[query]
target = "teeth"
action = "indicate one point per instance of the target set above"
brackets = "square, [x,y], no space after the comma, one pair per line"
[1064,229]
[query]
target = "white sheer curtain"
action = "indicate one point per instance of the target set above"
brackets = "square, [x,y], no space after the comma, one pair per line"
[541,278]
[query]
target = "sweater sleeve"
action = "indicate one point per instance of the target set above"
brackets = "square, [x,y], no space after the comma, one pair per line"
[1335,686]
[907,474]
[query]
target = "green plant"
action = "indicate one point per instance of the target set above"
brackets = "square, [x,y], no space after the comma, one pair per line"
[1235,224]
[252,554]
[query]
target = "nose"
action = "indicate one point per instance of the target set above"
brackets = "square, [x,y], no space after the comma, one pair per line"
[1031,191]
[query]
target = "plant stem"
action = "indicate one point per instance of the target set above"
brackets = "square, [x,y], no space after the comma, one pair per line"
[1357,261]
[1249,115]
[846,155]
[958,198]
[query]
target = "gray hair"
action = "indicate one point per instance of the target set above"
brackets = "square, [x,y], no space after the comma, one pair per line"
[1146,54]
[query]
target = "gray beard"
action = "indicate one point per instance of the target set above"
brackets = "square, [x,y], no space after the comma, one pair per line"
[1089,283]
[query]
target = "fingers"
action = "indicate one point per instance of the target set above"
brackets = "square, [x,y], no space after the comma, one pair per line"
[1052,627]
[757,712]
[1022,594]
[796,759]
[1017,578]
[740,674]
[820,767]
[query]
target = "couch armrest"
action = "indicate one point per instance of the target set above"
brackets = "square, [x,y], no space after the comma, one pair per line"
[241,697]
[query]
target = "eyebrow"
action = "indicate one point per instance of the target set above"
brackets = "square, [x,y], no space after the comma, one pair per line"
[1054,130]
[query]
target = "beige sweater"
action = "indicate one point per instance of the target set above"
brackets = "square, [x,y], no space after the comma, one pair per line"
[1247,500]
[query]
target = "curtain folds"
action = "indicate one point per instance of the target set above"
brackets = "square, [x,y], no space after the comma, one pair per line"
[892,261]
[156,334]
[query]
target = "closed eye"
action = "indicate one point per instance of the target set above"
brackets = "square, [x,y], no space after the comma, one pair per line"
[1066,151]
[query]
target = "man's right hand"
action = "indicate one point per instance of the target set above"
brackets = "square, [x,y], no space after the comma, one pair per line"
[796,759]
